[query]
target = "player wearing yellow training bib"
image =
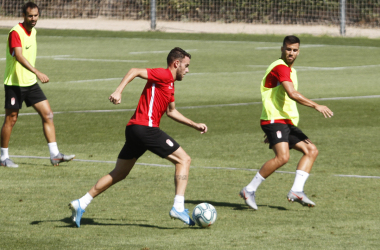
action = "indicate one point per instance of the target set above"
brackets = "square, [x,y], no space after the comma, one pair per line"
[20,85]
[279,121]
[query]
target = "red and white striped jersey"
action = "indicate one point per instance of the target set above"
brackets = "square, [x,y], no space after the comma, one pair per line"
[155,98]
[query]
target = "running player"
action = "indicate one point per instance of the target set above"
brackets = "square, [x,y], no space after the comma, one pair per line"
[143,133]
[279,120]
[20,84]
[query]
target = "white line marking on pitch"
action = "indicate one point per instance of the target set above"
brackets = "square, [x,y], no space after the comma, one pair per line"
[157,52]
[203,106]
[98,60]
[170,166]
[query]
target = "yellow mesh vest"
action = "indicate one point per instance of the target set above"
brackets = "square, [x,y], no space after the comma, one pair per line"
[16,74]
[276,102]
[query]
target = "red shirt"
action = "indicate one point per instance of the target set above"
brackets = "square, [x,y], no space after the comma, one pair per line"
[155,98]
[279,74]
[14,39]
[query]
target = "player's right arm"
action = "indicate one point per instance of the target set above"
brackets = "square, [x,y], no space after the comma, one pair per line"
[24,62]
[298,97]
[115,97]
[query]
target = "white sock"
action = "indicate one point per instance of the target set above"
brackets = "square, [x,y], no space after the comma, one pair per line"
[53,148]
[299,181]
[4,154]
[255,183]
[179,203]
[85,200]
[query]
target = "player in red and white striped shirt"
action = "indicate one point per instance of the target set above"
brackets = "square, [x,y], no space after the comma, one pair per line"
[143,132]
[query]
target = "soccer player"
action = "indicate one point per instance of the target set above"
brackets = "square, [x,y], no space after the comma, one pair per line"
[279,120]
[20,84]
[143,133]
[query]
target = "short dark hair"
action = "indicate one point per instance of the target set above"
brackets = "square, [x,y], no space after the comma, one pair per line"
[29,5]
[177,53]
[291,40]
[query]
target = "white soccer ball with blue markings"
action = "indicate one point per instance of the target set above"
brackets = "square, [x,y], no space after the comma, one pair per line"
[204,214]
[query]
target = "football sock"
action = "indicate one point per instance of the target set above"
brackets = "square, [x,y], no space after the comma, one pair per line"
[179,203]
[85,200]
[299,181]
[53,148]
[255,183]
[4,154]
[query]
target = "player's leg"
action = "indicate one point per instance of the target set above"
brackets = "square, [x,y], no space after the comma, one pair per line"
[10,120]
[277,137]
[14,97]
[44,110]
[182,162]
[248,193]
[281,151]
[120,172]
[310,153]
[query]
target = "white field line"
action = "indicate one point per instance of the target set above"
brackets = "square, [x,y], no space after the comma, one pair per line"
[299,68]
[91,80]
[98,60]
[212,41]
[307,68]
[68,58]
[202,106]
[157,52]
[358,176]
[302,46]
[172,166]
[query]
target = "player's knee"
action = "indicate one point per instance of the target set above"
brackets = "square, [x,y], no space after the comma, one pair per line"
[313,151]
[11,120]
[186,160]
[282,159]
[50,116]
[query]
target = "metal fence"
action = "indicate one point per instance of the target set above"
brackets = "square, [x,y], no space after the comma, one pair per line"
[363,13]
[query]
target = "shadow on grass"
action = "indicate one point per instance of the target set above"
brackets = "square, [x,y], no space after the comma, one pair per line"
[87,221]
[234,206]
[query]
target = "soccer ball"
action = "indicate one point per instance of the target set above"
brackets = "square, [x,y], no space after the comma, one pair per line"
[204,214]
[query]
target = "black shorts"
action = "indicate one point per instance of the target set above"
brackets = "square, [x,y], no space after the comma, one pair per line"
[15,96]
[141,138]
[277,132]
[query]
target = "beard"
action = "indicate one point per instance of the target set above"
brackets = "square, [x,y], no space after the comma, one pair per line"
[178,75]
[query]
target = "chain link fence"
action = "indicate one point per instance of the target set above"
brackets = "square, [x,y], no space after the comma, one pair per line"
[362,13]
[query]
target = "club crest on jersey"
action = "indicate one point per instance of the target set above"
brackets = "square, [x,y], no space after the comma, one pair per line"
[169,142]
[13,101]
[279,134]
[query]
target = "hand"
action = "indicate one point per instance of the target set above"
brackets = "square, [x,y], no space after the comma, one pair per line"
[43,78]
[201,127]
[115,98]
[324,110]
[266,139]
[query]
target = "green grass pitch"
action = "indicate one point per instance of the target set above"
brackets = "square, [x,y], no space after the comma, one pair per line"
[84,69]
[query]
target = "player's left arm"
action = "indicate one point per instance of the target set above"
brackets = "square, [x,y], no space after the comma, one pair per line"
[298,97]
[173,113]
